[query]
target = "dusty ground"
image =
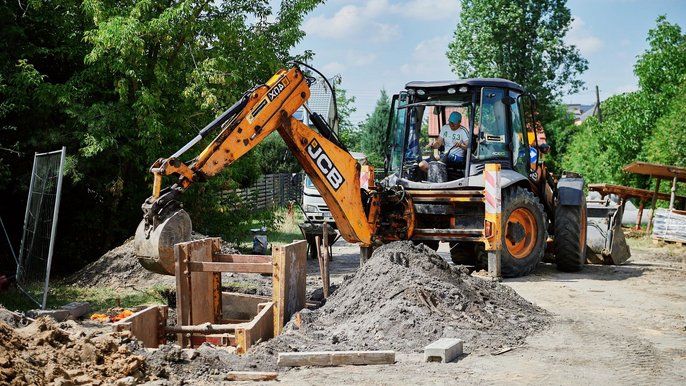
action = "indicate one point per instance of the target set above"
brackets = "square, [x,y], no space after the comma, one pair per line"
[611,325]
[607,324]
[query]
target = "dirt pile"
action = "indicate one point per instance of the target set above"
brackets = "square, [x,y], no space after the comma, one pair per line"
[406,297]
[42,353]
[119,268]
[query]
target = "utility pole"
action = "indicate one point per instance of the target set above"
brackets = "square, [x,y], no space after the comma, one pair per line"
[597,104]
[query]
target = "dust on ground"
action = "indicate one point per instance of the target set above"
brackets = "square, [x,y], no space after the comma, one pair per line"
[45,353]
[403,299]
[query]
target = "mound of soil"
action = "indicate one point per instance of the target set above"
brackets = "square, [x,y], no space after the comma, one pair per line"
[405,298]
[42,353]
[119,268]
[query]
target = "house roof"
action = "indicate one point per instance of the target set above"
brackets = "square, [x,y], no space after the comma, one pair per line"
[320,98]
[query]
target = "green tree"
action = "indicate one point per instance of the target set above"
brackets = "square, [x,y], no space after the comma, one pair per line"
[349,133]
[374,131]
[667,145]
[559,133]
[124,83]
[521,40]
[640,126]
[661,69]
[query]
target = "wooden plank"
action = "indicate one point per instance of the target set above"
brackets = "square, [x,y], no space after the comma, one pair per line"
[260,328]
[290,273]
[205,286]
[145,325]
[230,267]
[335,358]
[243,258]
[183,291]
[250,376]
[241,306]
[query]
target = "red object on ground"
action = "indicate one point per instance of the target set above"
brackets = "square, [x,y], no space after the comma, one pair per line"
[4,283]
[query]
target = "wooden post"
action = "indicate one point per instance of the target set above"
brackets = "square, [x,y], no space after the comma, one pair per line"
[640,214]
[652,206]
[183,291]
[326,259]
[673,191]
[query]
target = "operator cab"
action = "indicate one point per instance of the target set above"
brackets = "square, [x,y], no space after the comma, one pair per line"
[495,113]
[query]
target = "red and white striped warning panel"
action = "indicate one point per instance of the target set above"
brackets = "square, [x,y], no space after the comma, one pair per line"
[492,185]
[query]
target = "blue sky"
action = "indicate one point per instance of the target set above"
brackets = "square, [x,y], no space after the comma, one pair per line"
[379,44]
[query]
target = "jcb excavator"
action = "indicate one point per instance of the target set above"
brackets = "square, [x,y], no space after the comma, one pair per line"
[444,204]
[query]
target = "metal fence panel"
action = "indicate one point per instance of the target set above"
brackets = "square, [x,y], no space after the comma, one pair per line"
[40,222]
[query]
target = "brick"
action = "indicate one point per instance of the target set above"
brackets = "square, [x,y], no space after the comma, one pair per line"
[58,315]
[443,350]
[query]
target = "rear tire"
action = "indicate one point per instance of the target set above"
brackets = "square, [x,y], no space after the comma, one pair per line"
[570,237]
[524,232]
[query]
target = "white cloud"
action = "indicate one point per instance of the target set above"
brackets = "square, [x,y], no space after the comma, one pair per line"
[332,68]
[582,37]
[428,9]
[378,19]
[428,59]
[358,59]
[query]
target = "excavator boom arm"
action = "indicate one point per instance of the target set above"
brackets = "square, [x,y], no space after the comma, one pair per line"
[267,108]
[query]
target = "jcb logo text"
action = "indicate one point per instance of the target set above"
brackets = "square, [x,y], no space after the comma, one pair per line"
[324,164]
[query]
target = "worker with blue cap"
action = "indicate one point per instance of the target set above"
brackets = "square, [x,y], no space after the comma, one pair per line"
[453,137]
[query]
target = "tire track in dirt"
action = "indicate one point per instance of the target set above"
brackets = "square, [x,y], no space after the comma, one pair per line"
[632,360]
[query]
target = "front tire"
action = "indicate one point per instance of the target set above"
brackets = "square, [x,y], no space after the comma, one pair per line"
[570,237]
[524,232]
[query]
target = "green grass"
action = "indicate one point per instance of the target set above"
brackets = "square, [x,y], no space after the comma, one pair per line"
[285,232]
[100,299]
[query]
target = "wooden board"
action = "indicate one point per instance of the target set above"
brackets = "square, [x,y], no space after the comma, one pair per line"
[250,376]
[260,328]
[198,298]
[288,281]
[231,267]
[243,258]
[237,306]
[145,325]
[336,358]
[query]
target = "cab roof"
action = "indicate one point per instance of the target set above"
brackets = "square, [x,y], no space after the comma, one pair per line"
[473,82]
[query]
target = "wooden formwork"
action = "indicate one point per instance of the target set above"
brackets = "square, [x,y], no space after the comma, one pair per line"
[236,319]
[205,314]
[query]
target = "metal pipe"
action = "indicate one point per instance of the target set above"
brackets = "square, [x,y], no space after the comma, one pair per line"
[206,328]
[56,212]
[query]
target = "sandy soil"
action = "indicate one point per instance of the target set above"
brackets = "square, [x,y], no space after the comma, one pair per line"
[612,325]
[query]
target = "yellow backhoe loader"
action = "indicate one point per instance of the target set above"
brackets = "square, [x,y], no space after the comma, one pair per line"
[444,203]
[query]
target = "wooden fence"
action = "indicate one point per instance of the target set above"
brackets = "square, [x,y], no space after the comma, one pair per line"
[271,191]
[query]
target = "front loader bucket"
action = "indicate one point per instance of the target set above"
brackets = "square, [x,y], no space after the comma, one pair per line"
[605,238]
[154,245]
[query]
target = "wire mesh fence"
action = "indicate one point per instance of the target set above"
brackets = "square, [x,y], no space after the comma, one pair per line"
[40,220]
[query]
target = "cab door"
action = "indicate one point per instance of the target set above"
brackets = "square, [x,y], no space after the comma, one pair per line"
[395,137]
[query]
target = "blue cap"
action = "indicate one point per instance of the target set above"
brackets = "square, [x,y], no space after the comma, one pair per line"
[455,117]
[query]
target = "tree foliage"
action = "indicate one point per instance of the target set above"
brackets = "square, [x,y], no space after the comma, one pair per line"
[374,131]
[520,40]
[349,132]
[646,125]
[124,83]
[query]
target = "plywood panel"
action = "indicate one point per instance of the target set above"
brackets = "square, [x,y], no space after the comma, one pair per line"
[290,273]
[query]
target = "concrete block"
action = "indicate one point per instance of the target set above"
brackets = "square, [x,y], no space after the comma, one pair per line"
[58,315]
[77,309]
[443,350]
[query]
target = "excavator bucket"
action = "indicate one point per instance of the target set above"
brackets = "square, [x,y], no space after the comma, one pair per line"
[154,244]
[605,238]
